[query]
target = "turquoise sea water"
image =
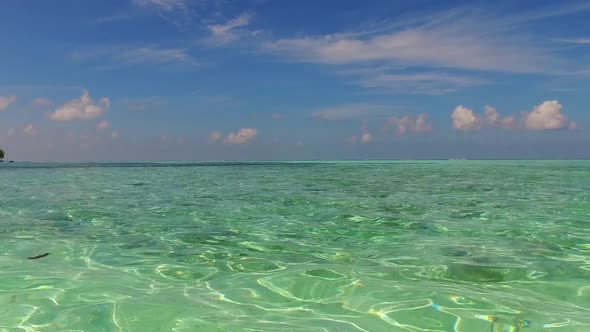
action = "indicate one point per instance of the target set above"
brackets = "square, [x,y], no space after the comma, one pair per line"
[349,246]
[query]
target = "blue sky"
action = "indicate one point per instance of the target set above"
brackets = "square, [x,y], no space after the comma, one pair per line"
[269,79]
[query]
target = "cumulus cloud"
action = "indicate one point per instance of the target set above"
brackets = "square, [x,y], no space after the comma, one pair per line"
[103,125]
[545,116]
[492,117]
[572,126]
[6,101]
[465,119]
[29,129]
[410,124]
[364,137]
[509,122]
[243,136]
[82,108]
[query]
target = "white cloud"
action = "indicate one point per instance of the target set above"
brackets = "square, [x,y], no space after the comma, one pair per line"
[244,135]
[351,111]
[6,101]
[365,135]
[431,83]
[176,12]
[114,135]
[565,8]
[509,122]
[576,40]
[367,138]
[454,39]
[151,55]
[29,129]
[465,119]
[215,136]
[82,108]
[224,29]
[545,116]
[492,117]
[410,124]
[103,125]
[425,50]
[127,56]
[222,34]
[163,4]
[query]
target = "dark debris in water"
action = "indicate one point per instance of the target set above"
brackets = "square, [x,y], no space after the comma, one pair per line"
[39,256]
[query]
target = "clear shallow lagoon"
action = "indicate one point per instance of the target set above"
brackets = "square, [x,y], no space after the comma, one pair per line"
[350,246]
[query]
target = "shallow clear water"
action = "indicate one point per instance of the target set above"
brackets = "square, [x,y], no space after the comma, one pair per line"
[350,246]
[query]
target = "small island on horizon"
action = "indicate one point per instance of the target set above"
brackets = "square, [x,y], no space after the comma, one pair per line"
[2,157]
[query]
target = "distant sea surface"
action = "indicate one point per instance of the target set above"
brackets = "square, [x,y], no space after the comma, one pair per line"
[331,246]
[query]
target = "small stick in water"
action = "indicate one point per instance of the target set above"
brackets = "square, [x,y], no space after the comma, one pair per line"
[39,256]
